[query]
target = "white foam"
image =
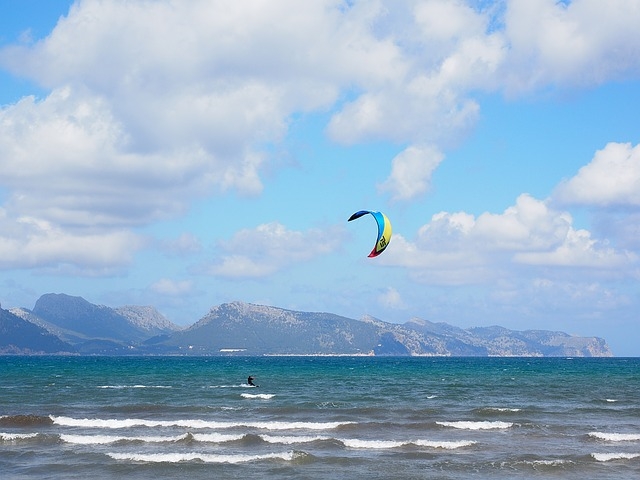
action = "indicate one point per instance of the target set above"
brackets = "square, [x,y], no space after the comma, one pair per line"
[216,437]
[467,425]
[202,457]
[388,444]
[444,444]
[547,463]
[290,440]
[261,396]
[120,387]
[607,457]
[372,444]
[191,424]
[616,437]
[12,437]
[107,439]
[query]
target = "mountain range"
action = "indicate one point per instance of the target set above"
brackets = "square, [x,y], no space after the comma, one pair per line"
[64,324]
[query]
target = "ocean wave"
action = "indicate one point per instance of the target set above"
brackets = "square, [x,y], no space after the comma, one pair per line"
[109,439]
[217,437]
[121,387]
[390,444]
[260,396]
[446,445]
[236,385]
[290,440]
[192,424]
[607,457]
[501,409]
[486,411]
[14,437]
[616,437]
[547,464]
[468,425]
[204,457]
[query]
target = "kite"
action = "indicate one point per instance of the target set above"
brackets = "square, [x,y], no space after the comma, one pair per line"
[384,230]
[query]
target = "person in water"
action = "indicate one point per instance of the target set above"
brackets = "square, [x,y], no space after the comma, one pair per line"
[250,381]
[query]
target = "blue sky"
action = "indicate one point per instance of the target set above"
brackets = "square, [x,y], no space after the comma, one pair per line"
[186,154]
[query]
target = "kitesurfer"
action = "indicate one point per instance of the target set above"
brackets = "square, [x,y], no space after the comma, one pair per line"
[250,381]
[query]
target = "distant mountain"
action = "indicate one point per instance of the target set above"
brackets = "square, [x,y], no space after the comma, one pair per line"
[97,329]
[147,319]
[18,336]
[246,329]
[258,330]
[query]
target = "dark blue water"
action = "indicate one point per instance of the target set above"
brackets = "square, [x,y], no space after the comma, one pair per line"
[319,417]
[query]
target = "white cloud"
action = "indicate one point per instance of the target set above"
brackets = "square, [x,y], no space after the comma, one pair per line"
[579,250]
[612,178]
[268,248]
[154,104]
[411,172]
[457,248]
[29,243]
[582,42]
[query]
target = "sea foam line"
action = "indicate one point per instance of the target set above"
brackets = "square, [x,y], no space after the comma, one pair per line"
[108,439]
[500,409]
[616,437]
[261,396]
[467,425]
[121,387]
[607,457]
[202,457]
[12,437]
[194,424]
[389,444]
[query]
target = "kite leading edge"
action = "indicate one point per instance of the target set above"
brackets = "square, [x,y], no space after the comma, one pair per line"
[384,230]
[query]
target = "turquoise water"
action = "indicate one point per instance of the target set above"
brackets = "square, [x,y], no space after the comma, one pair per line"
[319,417]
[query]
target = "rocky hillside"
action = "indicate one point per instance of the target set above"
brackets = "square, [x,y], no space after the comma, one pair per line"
[19,336]
[258,330]
[246,329]
[147,319]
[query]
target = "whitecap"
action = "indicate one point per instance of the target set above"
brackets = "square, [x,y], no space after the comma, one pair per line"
[372,444]
[202,457]
[121,387]
[289,439]
[12,437]
[107,439]
[468,425]
[607,457]
[446,445]
[261,396]
[216,437]
[502,409]
[616,437]
[191,424]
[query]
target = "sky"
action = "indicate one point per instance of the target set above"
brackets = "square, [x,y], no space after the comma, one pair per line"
[188,154]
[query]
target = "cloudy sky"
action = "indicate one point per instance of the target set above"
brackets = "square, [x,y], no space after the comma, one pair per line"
[186,154]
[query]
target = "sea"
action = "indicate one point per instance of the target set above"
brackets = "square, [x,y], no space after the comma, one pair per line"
[68,417]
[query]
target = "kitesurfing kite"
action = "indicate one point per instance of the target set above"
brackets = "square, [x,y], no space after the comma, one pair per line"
[384,230]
